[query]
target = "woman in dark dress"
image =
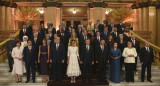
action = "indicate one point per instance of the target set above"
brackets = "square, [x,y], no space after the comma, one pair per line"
[43,59]
[114,69]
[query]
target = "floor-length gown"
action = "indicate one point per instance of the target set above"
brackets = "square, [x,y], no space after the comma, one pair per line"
[114,69]
[73,68]
[18,66]
[43,60]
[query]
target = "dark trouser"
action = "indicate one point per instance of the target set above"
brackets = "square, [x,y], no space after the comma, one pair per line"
[10,62]
[102,71]
[135,65]
[129,69]
[87,67]
[122,62]
[57,71]
[144,66]
[32,66]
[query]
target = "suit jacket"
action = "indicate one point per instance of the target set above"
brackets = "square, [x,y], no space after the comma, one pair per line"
[30,31]
[115,38]
[63,37]
[10,45]
[57,55]
[145,56]
[44,32]
[96,41]
[137,46]
[102,56]
[21,34]
[110,27]
[119,27]
[29,56]
[82,41]
[87,56]
[105,36]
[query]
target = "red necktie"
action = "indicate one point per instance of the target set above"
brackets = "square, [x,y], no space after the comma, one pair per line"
[35,41]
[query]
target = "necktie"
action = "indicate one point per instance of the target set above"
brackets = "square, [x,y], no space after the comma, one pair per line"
[102,48]
[35,40]
[57,46]
[24,31]
[148,49]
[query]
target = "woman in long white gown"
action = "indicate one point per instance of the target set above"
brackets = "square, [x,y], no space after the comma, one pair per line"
[73,69]
[18,67]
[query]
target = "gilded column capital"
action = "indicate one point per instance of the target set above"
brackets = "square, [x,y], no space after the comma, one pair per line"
[52,4]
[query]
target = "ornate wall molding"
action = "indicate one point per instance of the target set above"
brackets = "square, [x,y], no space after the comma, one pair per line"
[145,4]
[8,4]
[52,4]
[97,4]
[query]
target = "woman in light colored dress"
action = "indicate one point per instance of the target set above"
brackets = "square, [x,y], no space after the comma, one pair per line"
[24,43]
[18,66]
[73,69]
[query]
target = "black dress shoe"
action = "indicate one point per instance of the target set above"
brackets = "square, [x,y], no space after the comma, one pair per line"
[27,81]
[10,71]
[84,81]
[149,80]
[33,81]
[142,80]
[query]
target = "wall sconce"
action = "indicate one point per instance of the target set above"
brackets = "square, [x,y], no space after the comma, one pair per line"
[41,10]
[107,11]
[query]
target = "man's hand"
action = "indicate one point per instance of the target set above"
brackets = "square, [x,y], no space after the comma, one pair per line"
[141,62]
[93,63]
[116,57]
[50,60]
[81,62]
[24,63]
[108,61]
[38,61]
[62,61]
[97,62]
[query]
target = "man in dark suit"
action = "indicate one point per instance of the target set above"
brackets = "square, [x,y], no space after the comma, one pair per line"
[23,32]
[95,30]
[105,34]
[120,27]
[111,26]
[102,58]
[79,31]
[29,59]
[73,26]
[87,59]
[57,54]
[99,25]
[29,28]
[115,34]
[146,59]
[53,29]
[9,46]
[97,39]
[83,38]
[136,45]
[36,41]
[105,24]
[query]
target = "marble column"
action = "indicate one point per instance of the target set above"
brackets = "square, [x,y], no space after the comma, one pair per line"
[50,15]
[136,21]
[152,22]
[145,19]
[7,18]
[58,17]
[140,19]
[90,12]
[13,19]
[2,17]
[158,27]
[99,13]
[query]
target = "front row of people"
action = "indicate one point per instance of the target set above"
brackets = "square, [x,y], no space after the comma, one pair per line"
[25,57]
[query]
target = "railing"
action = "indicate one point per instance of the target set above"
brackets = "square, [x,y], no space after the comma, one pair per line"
[5,34]
[156,49]
[3,53]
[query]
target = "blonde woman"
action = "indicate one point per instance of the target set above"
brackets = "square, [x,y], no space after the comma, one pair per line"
[129,54]
[73,37]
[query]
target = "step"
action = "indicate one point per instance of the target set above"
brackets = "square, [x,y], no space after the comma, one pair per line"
[22,84]
[139,68]
[135,84]
[13,78]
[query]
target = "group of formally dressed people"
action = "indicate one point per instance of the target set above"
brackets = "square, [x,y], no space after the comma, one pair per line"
[84,49]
